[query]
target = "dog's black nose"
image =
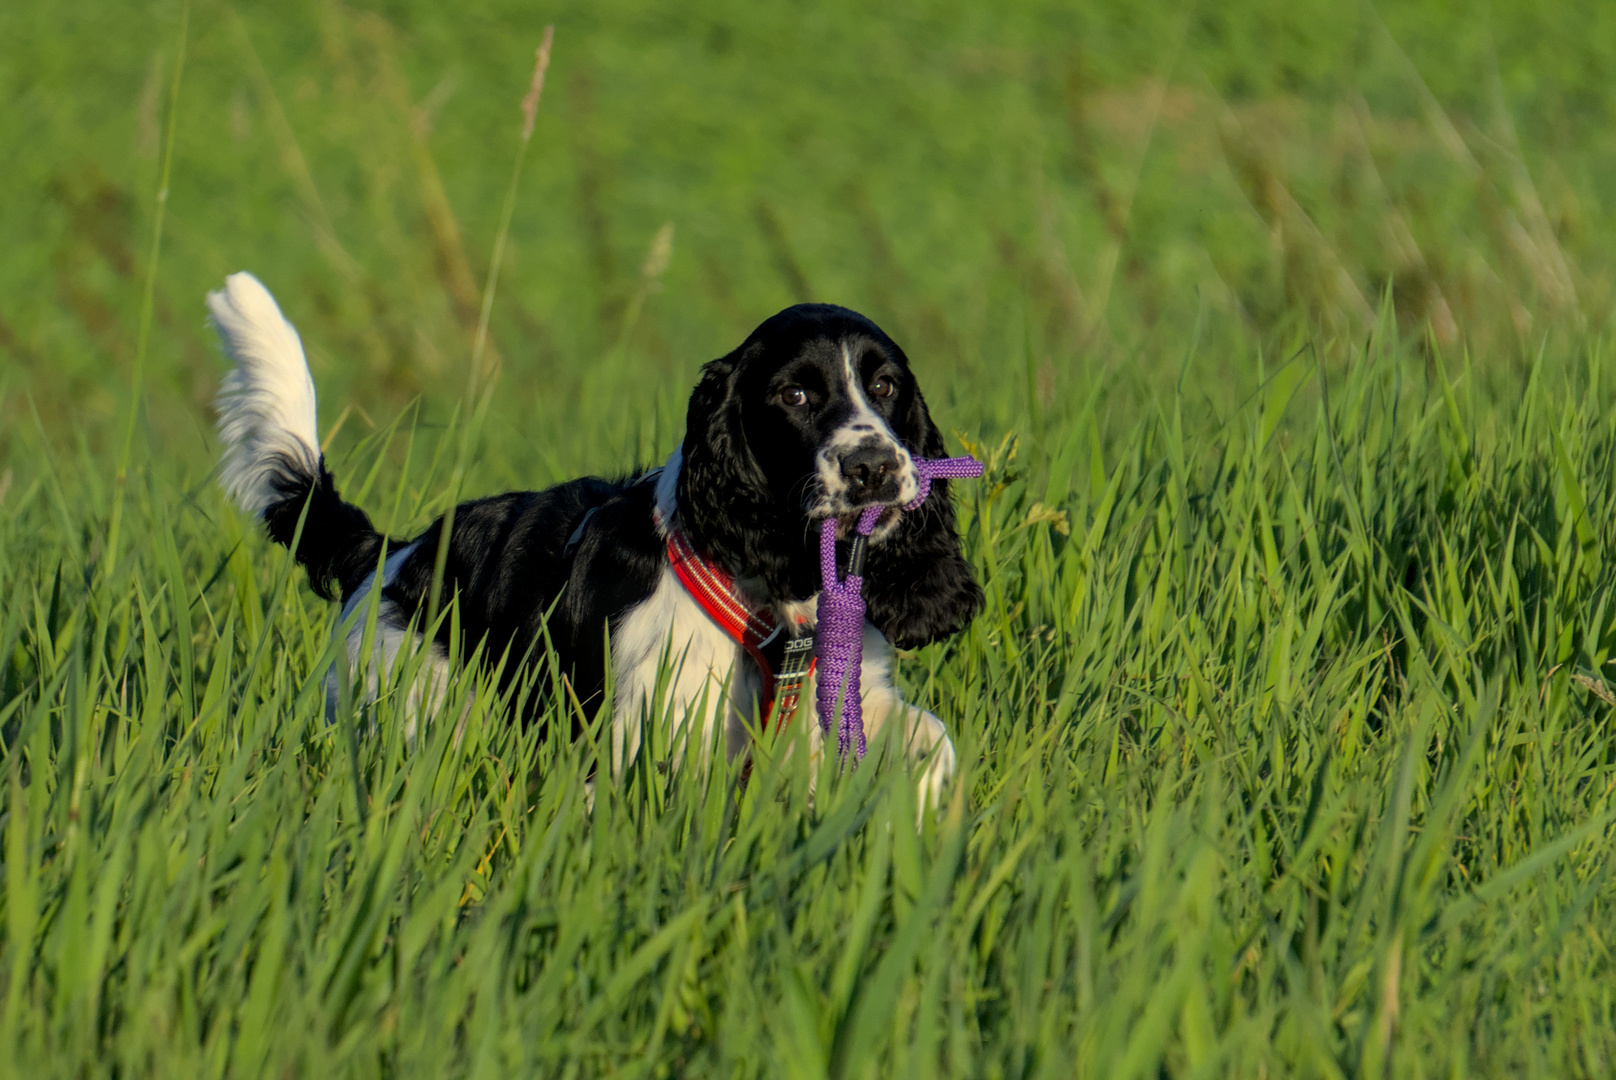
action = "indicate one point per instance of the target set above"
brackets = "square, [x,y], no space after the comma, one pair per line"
[867,469]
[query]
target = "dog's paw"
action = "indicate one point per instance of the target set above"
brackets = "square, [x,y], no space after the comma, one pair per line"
[937,775]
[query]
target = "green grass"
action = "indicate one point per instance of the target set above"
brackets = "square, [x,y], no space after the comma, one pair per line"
[1285,737]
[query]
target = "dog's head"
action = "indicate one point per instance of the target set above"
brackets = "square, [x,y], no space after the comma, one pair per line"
[817,415]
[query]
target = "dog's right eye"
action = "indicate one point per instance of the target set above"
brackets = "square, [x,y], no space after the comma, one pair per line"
[794,396]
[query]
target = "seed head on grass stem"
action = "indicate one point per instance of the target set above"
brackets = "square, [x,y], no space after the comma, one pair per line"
[530,111]
[655,264]
[475,403]
[147,298]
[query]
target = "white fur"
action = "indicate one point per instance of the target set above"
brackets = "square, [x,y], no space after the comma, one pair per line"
[266,405]
[865,419]
[430,686]
[864,425]
[924,737]
[669,639]
[671,661]
[667,490]
[677,669]
[706,680]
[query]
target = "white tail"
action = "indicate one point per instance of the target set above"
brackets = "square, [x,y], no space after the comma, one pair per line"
[266,404]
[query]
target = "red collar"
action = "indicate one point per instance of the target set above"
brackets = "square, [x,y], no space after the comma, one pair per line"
[784,659]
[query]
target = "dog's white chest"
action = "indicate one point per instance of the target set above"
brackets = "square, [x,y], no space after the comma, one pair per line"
[673,664]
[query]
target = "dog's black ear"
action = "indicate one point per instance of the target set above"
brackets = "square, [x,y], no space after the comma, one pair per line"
[918,588]
[917,585]
[725,504]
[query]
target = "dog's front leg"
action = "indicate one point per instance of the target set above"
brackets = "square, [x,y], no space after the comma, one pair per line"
[924,737]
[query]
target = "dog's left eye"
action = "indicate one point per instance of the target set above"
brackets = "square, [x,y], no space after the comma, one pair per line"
[883,387]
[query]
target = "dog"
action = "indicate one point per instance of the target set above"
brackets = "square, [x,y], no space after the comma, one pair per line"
[695,581]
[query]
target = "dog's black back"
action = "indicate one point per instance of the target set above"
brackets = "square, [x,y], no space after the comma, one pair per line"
[514,576]
[518,569]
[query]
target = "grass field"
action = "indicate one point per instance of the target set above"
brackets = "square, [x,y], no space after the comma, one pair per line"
[1286,734]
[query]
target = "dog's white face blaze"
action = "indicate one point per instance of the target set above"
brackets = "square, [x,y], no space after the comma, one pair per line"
[863,427]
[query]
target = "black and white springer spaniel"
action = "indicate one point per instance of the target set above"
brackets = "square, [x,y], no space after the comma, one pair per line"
[815,415]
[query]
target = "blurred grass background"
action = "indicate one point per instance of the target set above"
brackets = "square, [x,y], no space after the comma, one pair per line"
[1285,735]
[1025,193]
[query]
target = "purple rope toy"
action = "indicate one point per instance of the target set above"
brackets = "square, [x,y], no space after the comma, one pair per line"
[839,637]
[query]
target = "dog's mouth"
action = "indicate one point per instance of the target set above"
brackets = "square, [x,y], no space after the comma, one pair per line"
[847,513]
[855,475]
[846,509]
[847,521]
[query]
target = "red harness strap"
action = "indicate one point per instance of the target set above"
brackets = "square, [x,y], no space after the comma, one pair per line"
[784,660]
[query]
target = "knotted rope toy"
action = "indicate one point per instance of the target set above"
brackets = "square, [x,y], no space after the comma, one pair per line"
[839,637]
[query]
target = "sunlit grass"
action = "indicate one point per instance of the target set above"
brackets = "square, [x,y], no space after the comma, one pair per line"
[1273,756]
[1285,734]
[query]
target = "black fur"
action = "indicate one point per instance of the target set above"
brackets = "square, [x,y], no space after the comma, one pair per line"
[338,545]
[745,489]
[505,568]
[747,462]
[918,588]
